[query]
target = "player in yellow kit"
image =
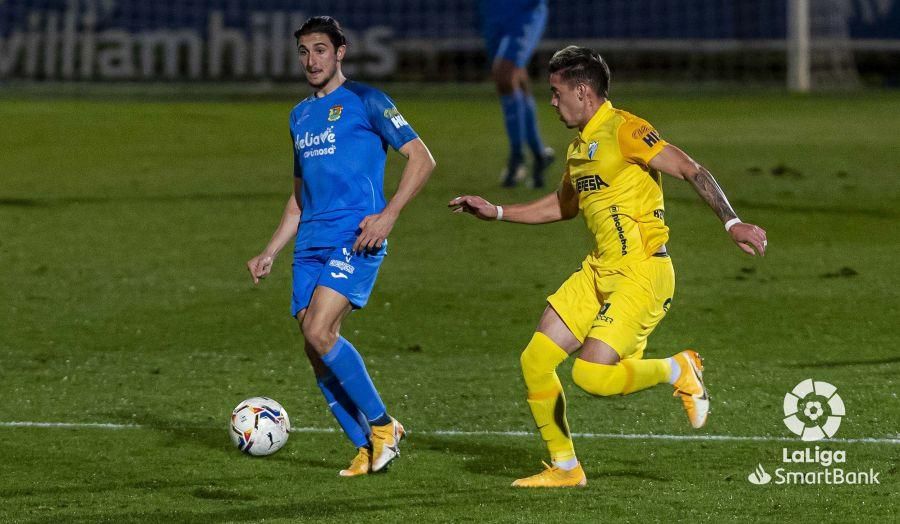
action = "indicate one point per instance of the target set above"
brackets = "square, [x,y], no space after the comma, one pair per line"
[625,286]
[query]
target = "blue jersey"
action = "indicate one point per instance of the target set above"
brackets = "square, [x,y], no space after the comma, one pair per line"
[340,147]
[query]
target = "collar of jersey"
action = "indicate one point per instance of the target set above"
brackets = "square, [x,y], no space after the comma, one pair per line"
[602,115]
[338,88]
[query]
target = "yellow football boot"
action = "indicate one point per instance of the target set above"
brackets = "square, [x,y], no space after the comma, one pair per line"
[360,465]
[690,388]
[386,444]
[554,477]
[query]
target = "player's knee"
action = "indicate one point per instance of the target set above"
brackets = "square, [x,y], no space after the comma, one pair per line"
[596,379]
[320,336]
[504,79]
[537,359]
[530,361]
[520,80]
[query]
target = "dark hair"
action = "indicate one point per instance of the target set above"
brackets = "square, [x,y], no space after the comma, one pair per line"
[580,65]
[325,25]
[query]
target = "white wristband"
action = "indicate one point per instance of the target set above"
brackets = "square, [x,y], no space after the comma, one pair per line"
[731,223]
[499,212]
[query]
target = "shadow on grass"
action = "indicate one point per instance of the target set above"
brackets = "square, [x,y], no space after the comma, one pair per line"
[215,439]
[343,505]
[846,363]
[522,457]
[511,459]
[206,488]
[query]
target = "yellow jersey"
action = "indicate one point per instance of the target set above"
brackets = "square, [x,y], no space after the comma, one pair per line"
[620,197]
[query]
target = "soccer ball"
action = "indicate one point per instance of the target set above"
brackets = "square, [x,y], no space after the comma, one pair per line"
[259,426]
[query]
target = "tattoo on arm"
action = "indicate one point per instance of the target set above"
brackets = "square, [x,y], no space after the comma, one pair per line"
[705,186]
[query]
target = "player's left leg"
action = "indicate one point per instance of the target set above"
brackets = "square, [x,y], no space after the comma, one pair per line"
[600,371]
[512,103]
[543,156]
[611,364]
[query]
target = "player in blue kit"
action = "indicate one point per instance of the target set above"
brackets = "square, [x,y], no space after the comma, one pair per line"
[512,30]
[340,219]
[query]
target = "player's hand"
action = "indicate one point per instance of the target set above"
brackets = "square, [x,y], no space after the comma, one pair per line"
[749,237]
[260,266]
[373,230]
[474,205]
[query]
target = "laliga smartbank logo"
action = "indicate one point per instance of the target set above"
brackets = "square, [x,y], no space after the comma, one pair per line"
[805,410]
[813,410]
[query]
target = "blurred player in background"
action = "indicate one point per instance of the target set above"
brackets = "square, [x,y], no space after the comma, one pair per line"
[625,286]
[339,221]
[512,30]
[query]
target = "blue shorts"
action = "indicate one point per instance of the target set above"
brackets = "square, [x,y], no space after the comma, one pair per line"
[515,38]
[337,268]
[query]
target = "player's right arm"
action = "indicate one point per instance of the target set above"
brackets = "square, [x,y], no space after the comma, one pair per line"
[261,265]
[561,205]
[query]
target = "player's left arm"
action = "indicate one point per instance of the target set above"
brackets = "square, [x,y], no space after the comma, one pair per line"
[419,165]
[675,162]
[387,122]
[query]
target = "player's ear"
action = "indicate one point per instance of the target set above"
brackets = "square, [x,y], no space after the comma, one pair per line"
[341,51]
[581,91]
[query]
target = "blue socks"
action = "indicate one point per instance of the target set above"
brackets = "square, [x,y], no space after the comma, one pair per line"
[347,366]
[514,117]
[344,410]
[520,117]
[530,125]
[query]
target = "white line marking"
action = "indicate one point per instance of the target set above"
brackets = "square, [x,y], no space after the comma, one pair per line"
[655,436]
[69,425]
[460,433]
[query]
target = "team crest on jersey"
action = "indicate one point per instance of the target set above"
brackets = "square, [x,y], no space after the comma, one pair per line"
[335,112]
[592,149]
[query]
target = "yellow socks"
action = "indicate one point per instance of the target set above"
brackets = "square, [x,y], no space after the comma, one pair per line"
[545,392]
[626,376]
[545,395]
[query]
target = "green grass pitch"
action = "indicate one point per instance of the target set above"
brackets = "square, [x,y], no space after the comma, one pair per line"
[125,225]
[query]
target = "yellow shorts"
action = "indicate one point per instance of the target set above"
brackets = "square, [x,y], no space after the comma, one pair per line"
[620,306]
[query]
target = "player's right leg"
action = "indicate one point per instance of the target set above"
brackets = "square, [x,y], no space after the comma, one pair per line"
[347,414]
[321,327]
[345,283]
[551,345]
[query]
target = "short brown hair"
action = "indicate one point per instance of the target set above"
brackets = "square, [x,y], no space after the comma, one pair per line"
[325,25]
[580,65]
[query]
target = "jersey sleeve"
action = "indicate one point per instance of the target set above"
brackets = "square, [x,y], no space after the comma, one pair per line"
[639,142]
[387,121]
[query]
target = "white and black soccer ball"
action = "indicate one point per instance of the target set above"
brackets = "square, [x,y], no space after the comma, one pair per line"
[259,426]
